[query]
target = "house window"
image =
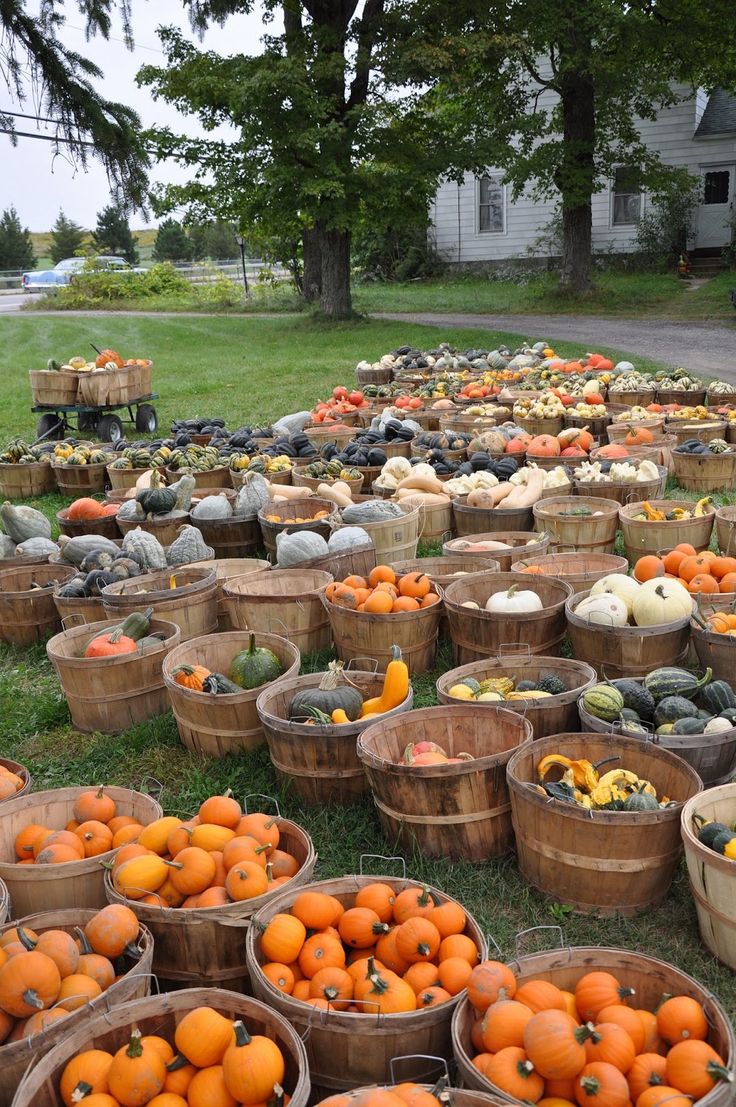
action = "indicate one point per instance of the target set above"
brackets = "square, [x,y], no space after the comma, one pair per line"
[716,186]
[626,195]
[491,206]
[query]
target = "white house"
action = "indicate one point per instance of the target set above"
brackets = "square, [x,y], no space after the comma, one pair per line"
[477,221]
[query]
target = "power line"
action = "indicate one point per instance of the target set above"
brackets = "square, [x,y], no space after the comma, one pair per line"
[112,38]
[46,138]
[22,115]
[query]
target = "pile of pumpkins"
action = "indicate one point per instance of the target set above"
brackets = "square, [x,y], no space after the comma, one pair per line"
[590,1046]
[219,857]
[383,592]
[669,700]
[703,572]
[95,829]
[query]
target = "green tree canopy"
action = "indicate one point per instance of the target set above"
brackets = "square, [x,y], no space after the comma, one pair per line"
[113,235]
[172,242]
[16,248]
[67,238]
[323,134]
[35,64]
[554,90]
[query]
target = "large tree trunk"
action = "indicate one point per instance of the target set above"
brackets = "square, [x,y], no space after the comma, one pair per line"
[576,177]
[312,276]
[335,300]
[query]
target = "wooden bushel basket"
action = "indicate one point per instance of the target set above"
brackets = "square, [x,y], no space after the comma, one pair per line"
[28,614]
[551,715]
[642,536]
[285,602]
[23,773]
[480,634]
[219,477]
[226,568]
[207,943]
[15,1057]
[123,479]
[110,694]
[608,862]
[625,492]
[71,883]
[287,512]
[348,1050]
[595,532]
[192,604]
[55,389]
[76,610]
[705,472]
[579,570]
[300,480]
[726,530]
[80,480]
[651,979]
[108,386]
[236,536]
[160,1015]
[353,561]
[107,525]
[520,543]
[394,539]
[715,651]
[461,811]
[626,651]
[318,762]
[480,520]
[704,430]
[711,876]
[447,569]
[21,482]
[617,431]
[216,725]
[367,640]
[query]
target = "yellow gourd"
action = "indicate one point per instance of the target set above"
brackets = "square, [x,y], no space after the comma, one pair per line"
[395,687]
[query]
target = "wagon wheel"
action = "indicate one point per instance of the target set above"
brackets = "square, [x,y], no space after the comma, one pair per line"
[50,427]
[110,428]
[146,419]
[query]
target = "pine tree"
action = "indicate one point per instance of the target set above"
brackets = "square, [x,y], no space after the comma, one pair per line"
[16,248]
[66,238]
[113,235]
[172,242]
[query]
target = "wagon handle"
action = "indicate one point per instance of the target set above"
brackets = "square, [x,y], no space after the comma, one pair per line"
[150,786]
[380,857]
[362,657]
[263,796]
[440,1061]
[532,929]
[73,615]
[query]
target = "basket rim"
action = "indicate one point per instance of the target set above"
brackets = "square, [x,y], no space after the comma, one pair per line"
[116,590]
[302,577]
[647,632]
[511,578]
[710,510]
[232,698]
[524,661]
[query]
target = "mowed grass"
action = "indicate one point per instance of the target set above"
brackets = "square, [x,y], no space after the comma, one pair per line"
[256,369]
[240,368]
[625,295]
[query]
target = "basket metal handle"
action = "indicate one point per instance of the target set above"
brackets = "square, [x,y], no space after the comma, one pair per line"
[439,1061]
[514,650]
[362,657]
[380,857]
[151,786]
[534,929]
[261,796]
[70,617]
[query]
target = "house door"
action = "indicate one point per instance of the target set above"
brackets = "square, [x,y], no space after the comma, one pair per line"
[716,206]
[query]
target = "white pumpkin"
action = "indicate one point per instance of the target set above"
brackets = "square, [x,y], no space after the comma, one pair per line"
[661,601]
[605,609]
[471,603]
[619,585]
[715,726]
[514,602]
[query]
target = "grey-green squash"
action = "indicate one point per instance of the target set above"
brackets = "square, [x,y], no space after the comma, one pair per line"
[255,666]
[717,696]
[294,549]
[372,511]
[252,496]
[189,545]
[22,523]
[156,501]
[147,547]
[74,550]
[7,546]
[182,489]
[640,801]
[636,696]
[212,507]
[672,708]
[36,547]
[131,509]
[688,726]
[328,697]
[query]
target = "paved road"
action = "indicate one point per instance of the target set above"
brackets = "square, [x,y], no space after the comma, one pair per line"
[700,347]
[11,303]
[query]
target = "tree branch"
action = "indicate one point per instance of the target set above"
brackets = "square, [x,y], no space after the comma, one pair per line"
[367,32]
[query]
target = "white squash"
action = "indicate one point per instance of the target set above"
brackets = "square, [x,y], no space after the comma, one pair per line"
[605,609]
[715,726]
[471,604]
[661,601]
[514,602]
[625,588]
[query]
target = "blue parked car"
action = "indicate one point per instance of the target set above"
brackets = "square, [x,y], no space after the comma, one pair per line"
[45,280]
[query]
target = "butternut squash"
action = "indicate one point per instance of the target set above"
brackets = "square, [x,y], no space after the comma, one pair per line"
[480,497]
[528,494]
[501,492]
[331,492]
[421,499]
[421,483]
[288,492]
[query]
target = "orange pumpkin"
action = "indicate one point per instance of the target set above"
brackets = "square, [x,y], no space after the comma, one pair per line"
[544,445]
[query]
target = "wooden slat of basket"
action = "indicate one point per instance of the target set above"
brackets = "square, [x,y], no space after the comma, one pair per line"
[28,614]
[711,875]
[285,602]
[192,604]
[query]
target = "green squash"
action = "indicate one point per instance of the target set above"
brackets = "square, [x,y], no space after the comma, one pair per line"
[603,702]
[718,696]
[688,726]
[328,697]
[157,501]
[219,685]
[671,681]
[710,831]
[641,801]
[636,697]
[526,686]
[672,708]
[254,666]
[553,685]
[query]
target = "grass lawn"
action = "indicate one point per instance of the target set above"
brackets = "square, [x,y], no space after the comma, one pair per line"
[627,295]
[256,368]
[238,367]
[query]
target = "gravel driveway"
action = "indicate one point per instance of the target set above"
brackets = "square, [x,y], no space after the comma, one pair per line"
[700,347]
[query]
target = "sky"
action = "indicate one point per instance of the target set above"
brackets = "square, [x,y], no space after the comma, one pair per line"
[38,184]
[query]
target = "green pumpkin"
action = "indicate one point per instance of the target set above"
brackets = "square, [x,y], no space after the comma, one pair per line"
[672,708]
[553,685]
[327,697]
[671,681]
[636,697]
[219,685]
[157,501]
[688,726]
[710,831]
[526,686]
[641,801]
[254,666]
[718,696]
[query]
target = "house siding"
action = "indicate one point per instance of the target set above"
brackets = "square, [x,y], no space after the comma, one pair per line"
[455,215]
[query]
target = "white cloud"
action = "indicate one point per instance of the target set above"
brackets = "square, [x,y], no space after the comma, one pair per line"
[39,184]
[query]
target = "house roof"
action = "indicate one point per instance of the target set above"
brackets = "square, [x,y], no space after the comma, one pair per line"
[719,117]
